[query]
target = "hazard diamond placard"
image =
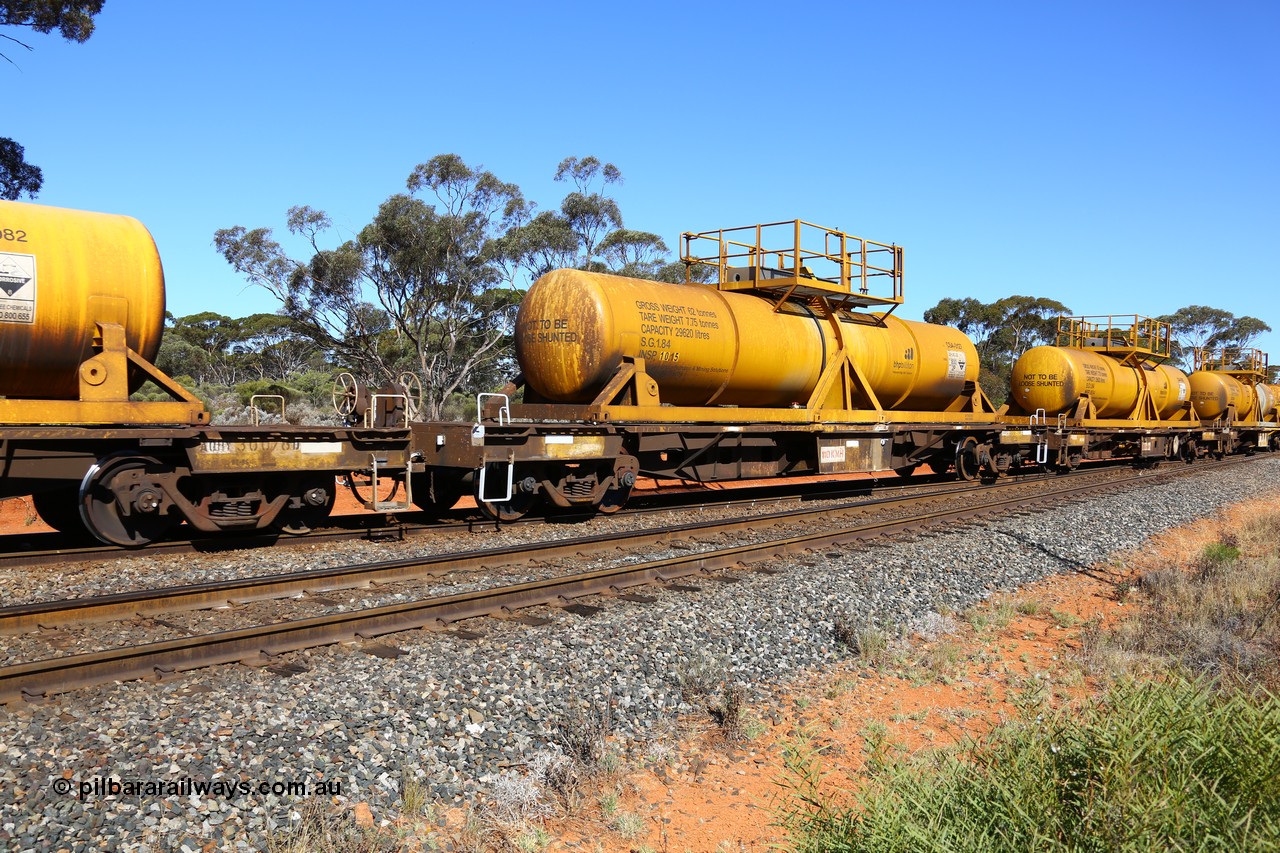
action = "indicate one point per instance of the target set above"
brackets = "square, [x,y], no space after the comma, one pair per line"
[17,288]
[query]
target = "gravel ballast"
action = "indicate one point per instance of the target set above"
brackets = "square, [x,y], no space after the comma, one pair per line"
[458,711]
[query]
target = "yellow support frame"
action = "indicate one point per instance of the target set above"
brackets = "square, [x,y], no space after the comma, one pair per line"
[104,392]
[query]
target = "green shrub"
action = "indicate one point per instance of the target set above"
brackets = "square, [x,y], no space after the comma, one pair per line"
[1219,553]
[1173,764]
[246,390]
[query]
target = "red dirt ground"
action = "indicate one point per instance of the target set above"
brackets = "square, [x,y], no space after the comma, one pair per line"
[723,797]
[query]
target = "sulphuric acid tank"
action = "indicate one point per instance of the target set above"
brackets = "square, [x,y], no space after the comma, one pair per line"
[707,347]
[1268,399]
[1212,392]
[1054,378]
[61,272]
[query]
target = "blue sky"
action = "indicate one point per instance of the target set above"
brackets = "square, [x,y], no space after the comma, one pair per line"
[1121,157]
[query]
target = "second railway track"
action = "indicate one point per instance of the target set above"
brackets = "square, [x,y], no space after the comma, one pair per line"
[264,643]
[42,549]
[21,618]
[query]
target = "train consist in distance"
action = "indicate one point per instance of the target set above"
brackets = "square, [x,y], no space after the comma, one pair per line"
[791,362]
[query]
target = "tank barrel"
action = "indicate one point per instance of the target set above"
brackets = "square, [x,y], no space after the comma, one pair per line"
[63,273]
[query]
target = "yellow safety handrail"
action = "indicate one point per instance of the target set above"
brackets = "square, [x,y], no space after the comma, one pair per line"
[1248,360]
[797,254]
[1120,334]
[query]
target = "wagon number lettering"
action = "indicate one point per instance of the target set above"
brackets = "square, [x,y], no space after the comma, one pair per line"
[16,236]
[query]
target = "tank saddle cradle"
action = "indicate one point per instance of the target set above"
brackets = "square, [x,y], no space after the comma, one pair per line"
[104,380]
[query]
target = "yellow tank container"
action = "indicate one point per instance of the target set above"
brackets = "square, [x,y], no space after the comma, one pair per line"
[705,347]
[61,272]
[1170,388]
[1054,378]
[1213,391]
[1268,399]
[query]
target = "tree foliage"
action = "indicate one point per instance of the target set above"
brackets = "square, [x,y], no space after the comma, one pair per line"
[17,176]
[1197,327]
[1001,331]
[73,19]
[639,254]
[586,230]
[587,211]
[431,285]
[216,350]
[227,360]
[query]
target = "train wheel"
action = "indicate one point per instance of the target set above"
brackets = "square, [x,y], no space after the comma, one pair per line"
[437,490]
[357,480]
[968,465]
[613,500]
[492,479]
[318,496]
[510,510]
[907,470]
[624,478]
[120,506]
[60,509]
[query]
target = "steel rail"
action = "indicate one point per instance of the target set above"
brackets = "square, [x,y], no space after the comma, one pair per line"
[16,619]
[21,618]
[367,527]
[259,645]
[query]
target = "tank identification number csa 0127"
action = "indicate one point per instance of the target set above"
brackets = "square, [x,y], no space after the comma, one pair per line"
[17,287]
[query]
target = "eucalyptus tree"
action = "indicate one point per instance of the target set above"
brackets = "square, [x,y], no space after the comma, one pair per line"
[423,287]
[585,231]
[1001,331]
[587,211]
[431,285]
[979,320]
[17,176]
[1026,321]
[639,254]
[1196,327]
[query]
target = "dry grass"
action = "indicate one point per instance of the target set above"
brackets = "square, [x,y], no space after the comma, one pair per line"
[1218,614]
[321,829]
[1178,753]
[866,639]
